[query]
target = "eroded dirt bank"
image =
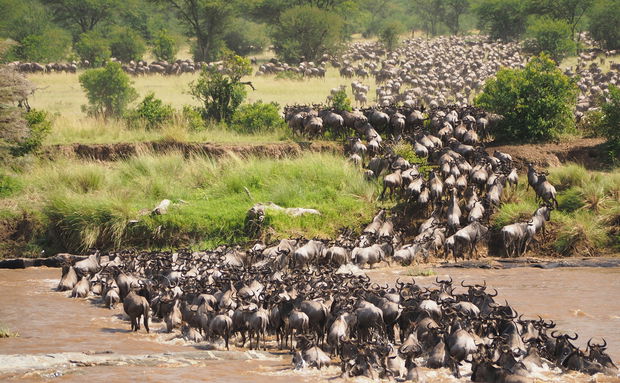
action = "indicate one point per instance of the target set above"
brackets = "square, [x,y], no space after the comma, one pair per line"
[94,344]
[118,151]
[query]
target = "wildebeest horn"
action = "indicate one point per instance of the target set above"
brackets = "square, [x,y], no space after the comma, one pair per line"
[553,334]
[493,295]
[573,338]
[464,285]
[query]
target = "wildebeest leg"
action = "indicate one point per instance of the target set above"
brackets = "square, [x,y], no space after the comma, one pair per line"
[146,321]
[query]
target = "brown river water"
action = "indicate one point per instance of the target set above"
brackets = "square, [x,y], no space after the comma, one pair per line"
[584,300]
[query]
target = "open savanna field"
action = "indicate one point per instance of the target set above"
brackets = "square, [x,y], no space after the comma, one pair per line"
[60,93]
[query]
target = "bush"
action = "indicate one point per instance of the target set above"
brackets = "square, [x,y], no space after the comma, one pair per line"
[164,46]
[306,33]
[341,102]
[405,150]
[258,117]
[126,44]
[108,90]
[502,19]
[94,48]
[221,94]
[610,122]
[605,23]
[193,118]
[150,113]
[39,126]
[246,37]
[51,45]
[551,36]
[389,35]
[537,102]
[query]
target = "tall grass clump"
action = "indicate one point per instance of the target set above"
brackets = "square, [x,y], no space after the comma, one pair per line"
[587,220]
[107,205]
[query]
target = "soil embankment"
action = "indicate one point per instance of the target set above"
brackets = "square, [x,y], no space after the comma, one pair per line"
[119,151]
[588,152]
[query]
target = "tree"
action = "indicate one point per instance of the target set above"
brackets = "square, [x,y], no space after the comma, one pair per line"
[14,92]
[551,36]
[502,19]
[246,37]
[221,91]
[454,9]
[605,23]
[126,44]
[28,23]
[22,129]
[389,35]
[109,90]
[164,46]
[306,33]
[431,12]
[571,11]
[207,21]
[610,124]
[537,102]
[83,14]
[93,47]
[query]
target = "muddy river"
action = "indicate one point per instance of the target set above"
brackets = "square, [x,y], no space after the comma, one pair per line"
[584,300]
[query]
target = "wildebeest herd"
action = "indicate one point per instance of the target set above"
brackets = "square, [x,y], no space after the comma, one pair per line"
[310,296]
[436,71]
[330,316]
[454,190]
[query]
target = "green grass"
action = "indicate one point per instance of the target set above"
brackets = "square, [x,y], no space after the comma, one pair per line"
[92,204]
[61,94]
[587,220]
[417,271]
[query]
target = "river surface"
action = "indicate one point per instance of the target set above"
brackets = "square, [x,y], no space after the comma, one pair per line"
[583,300]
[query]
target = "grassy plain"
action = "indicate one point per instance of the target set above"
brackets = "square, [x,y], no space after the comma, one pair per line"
[61,94]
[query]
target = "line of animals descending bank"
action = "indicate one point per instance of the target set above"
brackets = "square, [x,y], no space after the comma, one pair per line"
[262,298]
[445,201]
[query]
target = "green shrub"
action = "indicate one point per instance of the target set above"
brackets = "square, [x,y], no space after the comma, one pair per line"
[93,47]
[307,32]
[537,102]
[221,92]
[610,124]
[164,46]
[605,23]
[150,113]
[246,37]
[405,150]
[341,102]
[126,44]
[193,118]
[551,36]
[389,35]
[109,90]
[52,44]
[502,19]
[39,126]
[258,117]
[589,125]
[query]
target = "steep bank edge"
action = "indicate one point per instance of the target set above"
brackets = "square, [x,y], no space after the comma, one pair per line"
[119,151]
